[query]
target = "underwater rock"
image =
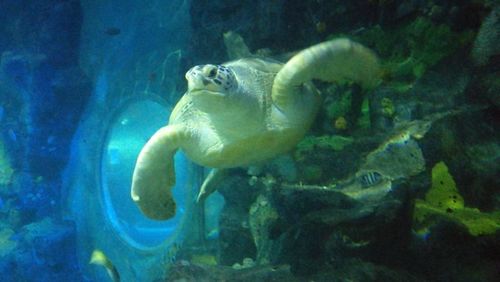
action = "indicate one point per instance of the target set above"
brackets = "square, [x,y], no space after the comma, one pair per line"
[337,101]
[186,271]
[262,217]
[466,140]
[382,109]
[319,224]
[7,245]
[235,240]
[47,90]
[50,27]
[367,186]
[247,263]
[483,159]
[43,249]
[364,233]
[442,87]
[325,159]
[235,46]
[487,43]
[6,171]
[256,21]
[48,245]
[51,110]
[399,157]
[344,109]
[453,231]
[490,84]
[465,257]
[359,270]
[311,143]
[282,167]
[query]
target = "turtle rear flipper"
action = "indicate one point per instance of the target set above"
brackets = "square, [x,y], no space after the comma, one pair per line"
[213,180]
[154,174]
[337,60]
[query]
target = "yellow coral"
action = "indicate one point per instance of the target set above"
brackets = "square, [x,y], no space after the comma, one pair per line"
[444,202]
[443,194]
[340,123]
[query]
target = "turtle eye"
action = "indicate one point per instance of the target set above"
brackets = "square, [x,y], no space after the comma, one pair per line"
[212,73]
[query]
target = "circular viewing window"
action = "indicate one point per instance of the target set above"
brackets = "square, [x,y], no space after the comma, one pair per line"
[130,129]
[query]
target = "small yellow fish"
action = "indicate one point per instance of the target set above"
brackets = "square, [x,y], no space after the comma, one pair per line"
[99,258]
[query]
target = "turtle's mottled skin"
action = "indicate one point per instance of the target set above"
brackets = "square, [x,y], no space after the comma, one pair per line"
[235,123]
[241,113]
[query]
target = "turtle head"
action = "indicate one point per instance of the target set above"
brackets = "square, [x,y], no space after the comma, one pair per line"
[215,80]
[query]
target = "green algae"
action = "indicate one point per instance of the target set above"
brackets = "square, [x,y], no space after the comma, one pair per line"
[409,50]
[311,143]
[340,106]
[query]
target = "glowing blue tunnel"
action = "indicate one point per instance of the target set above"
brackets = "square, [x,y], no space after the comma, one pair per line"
[130,128]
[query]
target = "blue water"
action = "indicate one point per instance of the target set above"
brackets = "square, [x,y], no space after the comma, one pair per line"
[68,67]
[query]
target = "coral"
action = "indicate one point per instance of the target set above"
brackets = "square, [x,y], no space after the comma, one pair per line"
[262,216]
[338,102]
[340,123]
[407,51]
[345,105]
[443,193]
[310,143]
[6,170]
[443,201]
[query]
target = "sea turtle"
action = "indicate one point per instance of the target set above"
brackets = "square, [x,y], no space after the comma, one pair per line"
[243,112]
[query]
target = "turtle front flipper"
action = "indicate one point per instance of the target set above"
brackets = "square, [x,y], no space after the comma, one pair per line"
[337,60]
[154,174]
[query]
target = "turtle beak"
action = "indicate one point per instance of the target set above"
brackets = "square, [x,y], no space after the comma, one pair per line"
[195,79]
[198,82]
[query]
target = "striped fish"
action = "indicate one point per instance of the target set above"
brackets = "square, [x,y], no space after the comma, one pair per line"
[370,179]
